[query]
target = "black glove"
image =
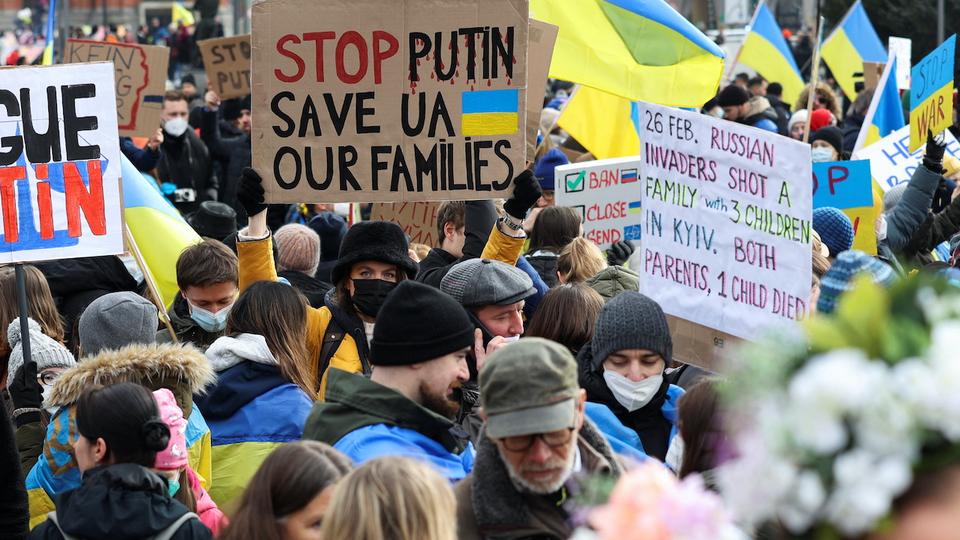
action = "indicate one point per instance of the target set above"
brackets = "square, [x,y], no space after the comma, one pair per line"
[250,192]
[619,253]
[526,193]
[933,157]
[25,392]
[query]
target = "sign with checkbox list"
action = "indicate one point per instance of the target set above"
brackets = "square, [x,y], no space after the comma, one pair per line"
[607,196]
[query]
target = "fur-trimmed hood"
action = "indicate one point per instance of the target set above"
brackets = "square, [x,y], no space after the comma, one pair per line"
[181,368]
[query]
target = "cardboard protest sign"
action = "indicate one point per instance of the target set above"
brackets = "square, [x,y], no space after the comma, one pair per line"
[227,63]
[60,165]
[606,193]
[901,48]
[389,100]
[542,37]
[931,94]
[892,163]
[847,185]
[417,219]
[141,77]
[726,219]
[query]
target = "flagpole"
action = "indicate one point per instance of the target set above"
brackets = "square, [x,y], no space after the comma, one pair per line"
[814,79]
[149,280]
[736,59]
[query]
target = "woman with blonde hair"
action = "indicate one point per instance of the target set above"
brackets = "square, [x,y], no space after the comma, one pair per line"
[264,391]
[579,261]
[40,303]
[395,498]
[825,98]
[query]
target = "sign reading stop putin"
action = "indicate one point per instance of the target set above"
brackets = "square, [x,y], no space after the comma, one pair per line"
[389,100]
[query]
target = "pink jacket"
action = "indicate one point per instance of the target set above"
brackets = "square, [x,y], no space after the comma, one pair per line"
[210,515]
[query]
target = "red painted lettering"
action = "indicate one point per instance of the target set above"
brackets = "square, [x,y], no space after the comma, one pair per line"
[9,176]
[318,38]
[78,199]
[301,67]
[379,55]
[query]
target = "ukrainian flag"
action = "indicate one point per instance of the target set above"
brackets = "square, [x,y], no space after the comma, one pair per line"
[180,14]
[768,54]
[605,124]
[636,49]
[51,27]
[885,114]
[489,112]
[157,228]
[853,42]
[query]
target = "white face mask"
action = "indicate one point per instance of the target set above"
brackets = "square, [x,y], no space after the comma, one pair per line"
[632,395]
[821,154]
[511,339]
[882,228]
[176,126]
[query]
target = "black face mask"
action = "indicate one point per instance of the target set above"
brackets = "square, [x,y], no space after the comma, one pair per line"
[369,294]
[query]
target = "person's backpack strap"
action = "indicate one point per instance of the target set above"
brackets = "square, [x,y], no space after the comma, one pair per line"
[52,517]
[332,338]
[172,529]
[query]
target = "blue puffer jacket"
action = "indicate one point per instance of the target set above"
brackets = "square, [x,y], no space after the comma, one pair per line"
[624,440]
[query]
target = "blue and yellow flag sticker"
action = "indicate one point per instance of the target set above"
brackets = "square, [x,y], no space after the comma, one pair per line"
[489,112]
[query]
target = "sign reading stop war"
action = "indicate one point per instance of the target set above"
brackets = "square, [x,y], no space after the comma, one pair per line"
[59,163]
[931,97]
[227,63]
[388,100]
[727,213]
[141,77]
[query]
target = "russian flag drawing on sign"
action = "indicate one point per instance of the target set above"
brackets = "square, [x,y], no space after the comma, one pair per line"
[489,112]
[628,175]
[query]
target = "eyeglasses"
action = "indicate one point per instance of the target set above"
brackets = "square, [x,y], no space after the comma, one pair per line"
[522,443]
[48,378]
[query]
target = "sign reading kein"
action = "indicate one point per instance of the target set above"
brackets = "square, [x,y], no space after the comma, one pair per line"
[389,100]
[59,163]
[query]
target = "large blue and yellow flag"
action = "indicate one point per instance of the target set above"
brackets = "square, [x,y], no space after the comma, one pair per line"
[605,124]
[885,114]
[853,42]
[768,54]
[636,49]
[157,228]
[51,27]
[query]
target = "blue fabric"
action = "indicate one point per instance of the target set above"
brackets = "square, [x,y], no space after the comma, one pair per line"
[624,440]
[544,168]
[661,13]
[142,158]
[278,415]
[839,277]
[531,303]
[237,386]
[766,124]
[381,440]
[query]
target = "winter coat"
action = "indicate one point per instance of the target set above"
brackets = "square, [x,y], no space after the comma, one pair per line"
[850,127]
[655,422]
[366,420]
[490,507]
[624,440]
[904,219]
[235,153]
[251,410]
[614,280]
[185,162]
[761,115]
[532,302]
[144,159]
[783,114]
[313,288]
[14,512]
[934,230]
[187,330]
[257,264]
[545,263]
[210,514]
[119,502]
[181,368]
[479,227]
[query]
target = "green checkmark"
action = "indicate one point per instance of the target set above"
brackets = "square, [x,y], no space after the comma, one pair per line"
[577,183]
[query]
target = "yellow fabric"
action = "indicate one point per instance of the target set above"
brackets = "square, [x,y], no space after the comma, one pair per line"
[200,457]
[180,14]
[40,505]
[767,60]
[844,60]
[503,248]
[601,122]
[234,466]
[479,124]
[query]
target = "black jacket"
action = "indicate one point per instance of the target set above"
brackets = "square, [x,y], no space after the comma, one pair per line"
[935,229]
[119,502]
[313,288]
[479,219]
[185,162]
[14,512]
[234,153]
[648,421]
[783,114]
[545,263]
[851,130]
[187,330]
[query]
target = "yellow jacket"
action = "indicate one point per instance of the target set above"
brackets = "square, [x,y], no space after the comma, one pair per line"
[256,264]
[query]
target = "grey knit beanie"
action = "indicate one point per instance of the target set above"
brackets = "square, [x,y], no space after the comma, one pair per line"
[115,320]
[44,350]
[631,321]
[892,197]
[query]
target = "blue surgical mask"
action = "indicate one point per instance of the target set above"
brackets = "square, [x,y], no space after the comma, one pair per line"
[211,322]
[173,486]
[821,154]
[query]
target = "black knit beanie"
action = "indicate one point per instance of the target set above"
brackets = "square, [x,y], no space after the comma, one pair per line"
[630,321]
[732,96]
[418,323]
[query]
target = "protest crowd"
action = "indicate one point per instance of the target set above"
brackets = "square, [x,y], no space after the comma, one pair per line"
[684,310]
